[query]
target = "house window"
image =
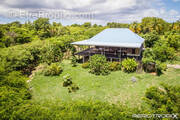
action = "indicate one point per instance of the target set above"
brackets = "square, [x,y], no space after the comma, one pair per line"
[133,51]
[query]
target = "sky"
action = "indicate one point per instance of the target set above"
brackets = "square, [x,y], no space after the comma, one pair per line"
[95,11]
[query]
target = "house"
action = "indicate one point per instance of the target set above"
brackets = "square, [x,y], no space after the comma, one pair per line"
[114,43]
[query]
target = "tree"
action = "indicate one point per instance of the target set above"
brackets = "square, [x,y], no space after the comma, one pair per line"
[148,60]
[133,27]
[174,41]
[98,65]
[42,25]
[13,92]
[15,24]
[92,31]
[151,24]
[87,24]
[2,44]
[1,33]
[150,39]
[58,31]
[163,52]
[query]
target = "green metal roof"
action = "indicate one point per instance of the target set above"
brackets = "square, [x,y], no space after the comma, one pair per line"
[114,37]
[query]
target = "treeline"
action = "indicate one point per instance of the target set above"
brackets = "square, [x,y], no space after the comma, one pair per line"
[16,33]
[148,25]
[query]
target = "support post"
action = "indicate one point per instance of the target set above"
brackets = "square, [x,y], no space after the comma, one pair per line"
[83,59]
[120,54]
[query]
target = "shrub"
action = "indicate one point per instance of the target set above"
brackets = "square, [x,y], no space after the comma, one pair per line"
[160,67]
[163,52]
[74,110]
[150,39]
[13,92]
[129,65]
[98,65]
[114,66]
[174,41]
[67,80]
[51,53]
[73,61]
[68,83]
[85,65]
[73,88]
[163,99]
[53,69]
[18,58]
[27,56]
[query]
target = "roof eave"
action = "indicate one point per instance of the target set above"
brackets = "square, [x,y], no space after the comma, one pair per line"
[107,45]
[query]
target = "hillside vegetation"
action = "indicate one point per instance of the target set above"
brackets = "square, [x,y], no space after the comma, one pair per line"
[38,81]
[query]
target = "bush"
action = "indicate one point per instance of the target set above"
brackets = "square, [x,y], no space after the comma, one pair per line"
[150,39]
[129,65]
[68,83]
[98,65]
[53,69]
[148,60]
[114,66]
[73,88]
[174,41]
[13,92]
[51,53]
[163,52]
[26,57]
[163,100]
[67,80]
[74,110]
[160,67]
[85,65]
[73,61]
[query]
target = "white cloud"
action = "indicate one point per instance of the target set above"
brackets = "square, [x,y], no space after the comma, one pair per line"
[176,0]
[105,10]
[173,12]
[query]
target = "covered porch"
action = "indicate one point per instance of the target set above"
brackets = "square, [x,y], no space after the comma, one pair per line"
[111,53]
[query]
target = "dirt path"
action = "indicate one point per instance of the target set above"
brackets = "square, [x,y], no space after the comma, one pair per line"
[38,68]
[173,66]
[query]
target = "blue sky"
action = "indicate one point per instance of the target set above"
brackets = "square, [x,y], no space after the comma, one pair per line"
[95,11]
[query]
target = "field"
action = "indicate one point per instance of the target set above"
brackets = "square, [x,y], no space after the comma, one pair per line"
[115,87]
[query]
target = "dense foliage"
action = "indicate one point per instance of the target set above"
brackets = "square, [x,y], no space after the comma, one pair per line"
[129,65]
[25,46]
[164,100]
[85,65]
[98,65]
[53,69]
[150,39]
[78,110]
[73,61]
[13,92]
[114,66]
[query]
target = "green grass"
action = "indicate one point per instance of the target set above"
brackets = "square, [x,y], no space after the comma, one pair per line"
[115,87]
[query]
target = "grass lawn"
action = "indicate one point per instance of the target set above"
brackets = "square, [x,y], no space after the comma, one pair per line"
[115,87]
